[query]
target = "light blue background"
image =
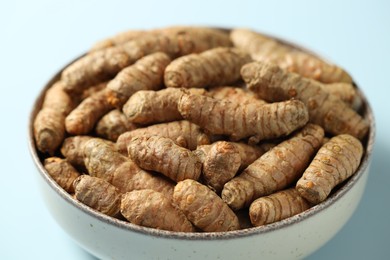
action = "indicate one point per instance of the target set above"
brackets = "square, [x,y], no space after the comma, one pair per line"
[38,37]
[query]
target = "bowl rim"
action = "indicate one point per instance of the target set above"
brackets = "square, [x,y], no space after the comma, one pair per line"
[242,233]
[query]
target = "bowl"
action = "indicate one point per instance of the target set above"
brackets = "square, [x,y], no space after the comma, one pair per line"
[295,237]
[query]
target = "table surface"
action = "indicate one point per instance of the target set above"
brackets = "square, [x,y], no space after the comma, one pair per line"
[39,37]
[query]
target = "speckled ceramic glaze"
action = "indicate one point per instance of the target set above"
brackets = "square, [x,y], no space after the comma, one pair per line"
[295,237]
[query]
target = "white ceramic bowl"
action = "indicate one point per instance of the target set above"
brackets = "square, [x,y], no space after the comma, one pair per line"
[295,237]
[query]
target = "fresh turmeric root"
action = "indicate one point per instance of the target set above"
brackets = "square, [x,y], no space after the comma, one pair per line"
[203,207]
[150,208]
[183,133]
[217,66]
[336,161]
[192,65]
[176,42]
[118,39]
[259,46]
[235,94]
[250,153]
[146,107]
[346,92]
[265,49]
[62,172]
[104,64]
[274,84]
[90,91]
[184,40]
[274,170]
[113,124]
[102,161]
[130,35]
[94,68]
[146,74]
[49,124]
[310,66]
[222,160]
[162,155]
[98,194]
[83,118]
[72,149]
[238,121]
[276,207]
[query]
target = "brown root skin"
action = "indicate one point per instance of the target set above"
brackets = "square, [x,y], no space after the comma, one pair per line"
[62,172]
[259,46]
[220,164]
[261,121]
[94,68]
[83,118]
[92,90]
[274,84]
[206,139]
[113,124]
[104,64]
[152,209]
[147,107]
[146,74]
[56,98]
[235,94]
[72,149]
[49,130]
[204,208]
[222,160]
[276,207]
[346,92]
[218,66]
[250,153]
[49,124]
[186,39]
[265,49]
[183,133]
[275,170]
[103,161]
[336,161]
[177,41]
[117,39]
[98,194]
[162,155]
[310,66]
